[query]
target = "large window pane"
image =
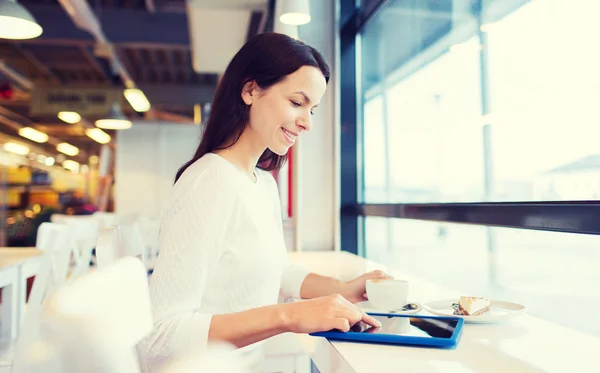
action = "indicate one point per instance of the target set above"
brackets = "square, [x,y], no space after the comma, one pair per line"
[553,274]
[426,98]
[422,68]
[374,150]
[435,151]
[461,104]
[544,90]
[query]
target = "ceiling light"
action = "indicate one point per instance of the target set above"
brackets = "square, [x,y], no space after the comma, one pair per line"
[98,135]
[13,147]
[287,29]
[137,100]
[115,120]
[71,165]
[69,116]
[16,22]
[294,12]
[49,161]
[67,149]
[33,134]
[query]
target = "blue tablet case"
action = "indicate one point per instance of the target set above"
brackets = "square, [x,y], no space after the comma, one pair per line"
[398,339]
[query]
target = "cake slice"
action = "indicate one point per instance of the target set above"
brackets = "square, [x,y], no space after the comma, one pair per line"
[472,306]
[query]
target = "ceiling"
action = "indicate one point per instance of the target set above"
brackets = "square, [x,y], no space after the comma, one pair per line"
[158,43]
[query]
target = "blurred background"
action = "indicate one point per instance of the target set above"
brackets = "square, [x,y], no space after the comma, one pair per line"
[482,111]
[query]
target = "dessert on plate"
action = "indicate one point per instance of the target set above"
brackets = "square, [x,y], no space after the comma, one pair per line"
[471,306]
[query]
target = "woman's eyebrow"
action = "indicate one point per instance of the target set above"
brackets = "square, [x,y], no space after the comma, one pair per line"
[305,96]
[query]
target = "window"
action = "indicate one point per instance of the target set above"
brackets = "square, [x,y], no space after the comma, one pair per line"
[461,108]
[542,86]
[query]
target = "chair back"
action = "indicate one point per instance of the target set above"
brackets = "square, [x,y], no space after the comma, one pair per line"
[116,242]
[95,321]
[83,234]
[52,238]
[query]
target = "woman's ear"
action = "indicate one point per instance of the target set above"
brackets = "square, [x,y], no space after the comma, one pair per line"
[249,92]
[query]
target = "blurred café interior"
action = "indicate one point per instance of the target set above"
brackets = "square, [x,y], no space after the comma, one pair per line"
[455,147]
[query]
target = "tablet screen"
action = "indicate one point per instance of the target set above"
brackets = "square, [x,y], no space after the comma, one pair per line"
[409,326]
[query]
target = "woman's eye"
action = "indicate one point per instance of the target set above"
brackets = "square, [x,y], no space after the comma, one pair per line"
[312,112]
[296,103]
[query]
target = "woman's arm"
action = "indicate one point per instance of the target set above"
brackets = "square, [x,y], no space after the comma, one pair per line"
[297,282]
[247,327]
[315,315]
[315,285]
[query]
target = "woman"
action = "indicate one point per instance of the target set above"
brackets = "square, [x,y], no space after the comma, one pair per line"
[223,262]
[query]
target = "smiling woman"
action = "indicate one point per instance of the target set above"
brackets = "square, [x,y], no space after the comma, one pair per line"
[281,113]
[268,85]
[223,260]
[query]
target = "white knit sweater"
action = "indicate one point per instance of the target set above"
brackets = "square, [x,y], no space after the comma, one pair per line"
[221,251]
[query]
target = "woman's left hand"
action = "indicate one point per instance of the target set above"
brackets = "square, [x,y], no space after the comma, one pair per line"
[355,290]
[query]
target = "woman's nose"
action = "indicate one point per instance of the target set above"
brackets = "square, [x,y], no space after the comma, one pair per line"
[304,123]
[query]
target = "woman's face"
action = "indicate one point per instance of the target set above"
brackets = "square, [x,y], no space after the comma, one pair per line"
[279,115]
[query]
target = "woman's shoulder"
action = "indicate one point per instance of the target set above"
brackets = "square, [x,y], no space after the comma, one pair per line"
[206,174]
[266,175]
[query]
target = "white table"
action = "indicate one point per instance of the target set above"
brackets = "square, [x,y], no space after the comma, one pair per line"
[17,264]
[525,344]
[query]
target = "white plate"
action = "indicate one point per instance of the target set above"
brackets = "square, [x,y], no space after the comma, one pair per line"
[367,307]
[499,311]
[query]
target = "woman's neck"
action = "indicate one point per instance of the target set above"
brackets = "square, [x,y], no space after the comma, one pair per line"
[244,154]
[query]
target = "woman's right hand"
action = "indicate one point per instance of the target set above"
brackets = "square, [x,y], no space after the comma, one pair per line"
[325,313]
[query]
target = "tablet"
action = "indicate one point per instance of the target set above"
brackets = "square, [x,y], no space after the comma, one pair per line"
[433,331]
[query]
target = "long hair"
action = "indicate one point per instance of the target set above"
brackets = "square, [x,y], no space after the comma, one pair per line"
[266,59]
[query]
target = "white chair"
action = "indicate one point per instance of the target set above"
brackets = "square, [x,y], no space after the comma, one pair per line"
[117,242]
[107,219]
[52,239]
[150,228]
[83,233]
[94,322]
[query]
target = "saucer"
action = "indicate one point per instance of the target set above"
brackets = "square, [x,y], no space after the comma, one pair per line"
[368,307]
[500,311]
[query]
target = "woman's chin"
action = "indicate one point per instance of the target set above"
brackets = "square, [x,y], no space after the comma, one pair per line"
[280,150]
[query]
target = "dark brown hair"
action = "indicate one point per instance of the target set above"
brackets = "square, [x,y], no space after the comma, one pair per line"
[266,59]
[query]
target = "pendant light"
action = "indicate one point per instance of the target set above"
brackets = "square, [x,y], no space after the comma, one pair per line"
[294,12]
[16,22]
[115,120]
[287,29]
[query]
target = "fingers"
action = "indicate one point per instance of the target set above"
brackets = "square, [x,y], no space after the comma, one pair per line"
[370,320]
[351,315]
[380,274]
[354,315]
[377,274]
[341,324]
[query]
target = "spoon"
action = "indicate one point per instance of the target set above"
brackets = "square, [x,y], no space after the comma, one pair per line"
[407,307]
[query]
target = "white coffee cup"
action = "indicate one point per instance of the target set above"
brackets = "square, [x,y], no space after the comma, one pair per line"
[387,295]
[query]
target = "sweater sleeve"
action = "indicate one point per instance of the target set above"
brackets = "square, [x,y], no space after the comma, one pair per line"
[292,279]
[193,236]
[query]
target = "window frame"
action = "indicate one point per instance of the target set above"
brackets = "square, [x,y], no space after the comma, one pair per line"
[579,217]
